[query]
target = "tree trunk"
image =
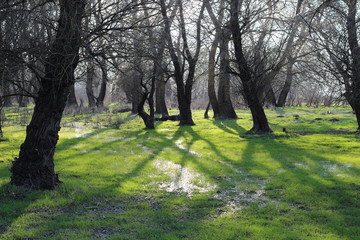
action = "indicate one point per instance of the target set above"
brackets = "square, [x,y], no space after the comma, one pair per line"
[183,90]
[7,102]
[104,80]
[21,98]
[160,96]
[149,119]
[72,102]
[184,101]
[270,99]
[260,122]
[206,113]
[357,114]
[1,118]
[211,78]
[34,168]
[225,105]
[136,96]
[352,36]
[90,75]
[287,85]
[355,105]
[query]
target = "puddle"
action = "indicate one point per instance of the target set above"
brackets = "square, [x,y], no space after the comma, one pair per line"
[145,149]
[183,179]
[334,168]
[302,165]
[178,143]
[236,198]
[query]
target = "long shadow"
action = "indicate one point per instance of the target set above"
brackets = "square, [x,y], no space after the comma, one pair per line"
[338,191]
[167,218]
[229,126]
[18,199]
[293,171]
[14,203]
[165,222]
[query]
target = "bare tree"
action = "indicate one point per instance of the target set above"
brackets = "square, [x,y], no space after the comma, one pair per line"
[34,168]
[221,103]
[335,26]
[184,84]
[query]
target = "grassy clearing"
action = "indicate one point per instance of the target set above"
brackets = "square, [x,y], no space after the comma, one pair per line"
[208,181]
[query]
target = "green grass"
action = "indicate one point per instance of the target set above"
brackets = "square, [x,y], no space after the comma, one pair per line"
[209,181]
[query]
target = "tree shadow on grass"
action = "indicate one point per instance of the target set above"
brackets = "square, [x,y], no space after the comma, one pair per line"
[108,211]
[156,215]
[229,126]
[15,201]
[161,219]
[309,184]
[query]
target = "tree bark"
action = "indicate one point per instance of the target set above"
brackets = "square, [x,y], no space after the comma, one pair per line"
[356,109]
[217,21]
[206,113]
[211,78]
[1,117]
[260,122]
[353,93]
[136,94]
[270,98]
[7,102]
[160,96]
[34,168]
[90,75]
[103,85]
[287,85]
[149,119]
[224,99]
[72,102]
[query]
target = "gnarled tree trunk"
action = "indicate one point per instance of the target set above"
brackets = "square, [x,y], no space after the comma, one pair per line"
[34,168]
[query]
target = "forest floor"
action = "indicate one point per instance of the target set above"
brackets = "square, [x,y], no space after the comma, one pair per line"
[209,181]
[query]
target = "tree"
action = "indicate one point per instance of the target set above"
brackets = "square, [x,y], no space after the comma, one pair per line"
[292,53]
[34,168]
[337,36]
[184,86]
[221,103]
[249,81]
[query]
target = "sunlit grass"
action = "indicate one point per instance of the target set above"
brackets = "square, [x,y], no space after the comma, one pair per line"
[209,181]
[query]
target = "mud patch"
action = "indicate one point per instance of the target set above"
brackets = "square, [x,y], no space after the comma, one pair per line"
[145,149]
[302,165]
[330,168]
[183,180]
[237,198]
[179,144]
